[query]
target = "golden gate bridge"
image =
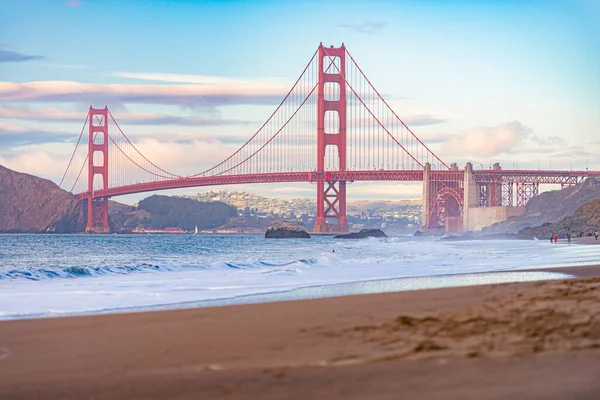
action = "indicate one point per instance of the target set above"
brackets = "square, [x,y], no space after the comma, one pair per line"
[333,127]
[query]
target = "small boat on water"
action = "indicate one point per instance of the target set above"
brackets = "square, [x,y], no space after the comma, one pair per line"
[195,229]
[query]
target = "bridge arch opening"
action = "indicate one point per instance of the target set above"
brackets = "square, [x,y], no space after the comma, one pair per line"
[446,211]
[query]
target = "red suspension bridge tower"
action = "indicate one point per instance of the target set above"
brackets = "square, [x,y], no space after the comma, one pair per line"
[331,201]
[98,166]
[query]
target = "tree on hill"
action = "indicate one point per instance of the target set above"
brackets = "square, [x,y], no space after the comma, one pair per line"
[185,213]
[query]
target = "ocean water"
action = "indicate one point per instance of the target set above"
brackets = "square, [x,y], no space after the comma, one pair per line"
[54,275]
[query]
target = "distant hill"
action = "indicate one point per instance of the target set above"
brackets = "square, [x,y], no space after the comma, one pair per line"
[550,207]
[30,204]
[159,212]
[298,206]
[260,204]
[369,206]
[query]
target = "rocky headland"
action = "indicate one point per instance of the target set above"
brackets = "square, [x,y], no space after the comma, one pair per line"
[29,204]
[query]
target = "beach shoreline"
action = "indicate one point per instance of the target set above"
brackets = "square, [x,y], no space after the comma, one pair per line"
[460,342]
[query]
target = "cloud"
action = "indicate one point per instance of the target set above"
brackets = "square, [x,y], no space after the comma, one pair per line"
[62,115]
[511,137]
[12,135]
[185,158]
[190,138]
[193,95]
[366,27]
[13,56]
[422,120]
[185,78]
[73,3]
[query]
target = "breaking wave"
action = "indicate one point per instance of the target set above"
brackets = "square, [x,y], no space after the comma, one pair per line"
[72,272]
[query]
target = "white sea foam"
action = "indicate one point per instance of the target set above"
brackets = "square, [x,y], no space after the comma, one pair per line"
[172,271]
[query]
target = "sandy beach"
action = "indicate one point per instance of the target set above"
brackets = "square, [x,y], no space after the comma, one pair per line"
[538,340]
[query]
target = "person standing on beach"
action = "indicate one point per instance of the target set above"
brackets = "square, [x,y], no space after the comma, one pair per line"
[551,238]
[569,237]
[555,238]
[596,234]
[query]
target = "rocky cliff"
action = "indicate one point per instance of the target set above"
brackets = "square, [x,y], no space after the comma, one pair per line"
[550,207]
[586,218]
[33,205]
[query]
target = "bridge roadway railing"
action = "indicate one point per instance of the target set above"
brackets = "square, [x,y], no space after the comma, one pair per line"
[532,176]
[543,177]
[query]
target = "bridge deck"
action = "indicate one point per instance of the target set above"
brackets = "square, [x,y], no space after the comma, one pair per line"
[541,177]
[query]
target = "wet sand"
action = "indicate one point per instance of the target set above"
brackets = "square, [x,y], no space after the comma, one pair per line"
[538,340]
[586,240]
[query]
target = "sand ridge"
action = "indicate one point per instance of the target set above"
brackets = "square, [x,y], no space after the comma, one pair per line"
[554,317]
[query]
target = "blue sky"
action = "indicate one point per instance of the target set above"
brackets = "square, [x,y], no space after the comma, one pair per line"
[507,81]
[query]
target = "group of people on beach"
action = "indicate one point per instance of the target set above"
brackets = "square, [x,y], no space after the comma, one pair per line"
[588,233]
[554,237]
[567,235]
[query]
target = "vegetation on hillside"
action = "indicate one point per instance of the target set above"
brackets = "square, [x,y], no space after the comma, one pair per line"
[166,211]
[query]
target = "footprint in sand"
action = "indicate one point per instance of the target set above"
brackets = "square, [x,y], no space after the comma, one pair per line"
[4,353]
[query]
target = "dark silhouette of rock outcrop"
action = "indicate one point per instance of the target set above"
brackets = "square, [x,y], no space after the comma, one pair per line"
[363,234]
[30,204]
[286,230]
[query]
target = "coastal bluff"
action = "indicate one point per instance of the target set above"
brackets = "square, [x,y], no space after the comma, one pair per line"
[29,204]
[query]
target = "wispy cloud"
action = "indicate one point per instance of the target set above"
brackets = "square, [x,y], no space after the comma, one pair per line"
[12,135]
[366,27]
[192,95]
[422,120]
[13,56]
[188,78]
[73,3]
[62,115]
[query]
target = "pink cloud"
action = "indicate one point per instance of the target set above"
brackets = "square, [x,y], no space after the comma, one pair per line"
[8,127]
[193,95]
[508,138]
[74,3]
[132,118]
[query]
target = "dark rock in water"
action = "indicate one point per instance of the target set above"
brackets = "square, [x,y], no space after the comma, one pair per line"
[364,233]
[418,233]
[286,230]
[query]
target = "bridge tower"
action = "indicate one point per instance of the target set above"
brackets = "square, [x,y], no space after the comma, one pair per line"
[97,165]
[331,201]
